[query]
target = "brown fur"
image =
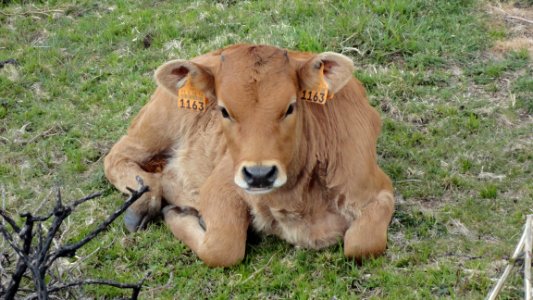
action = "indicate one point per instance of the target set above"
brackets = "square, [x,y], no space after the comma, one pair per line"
[334,187]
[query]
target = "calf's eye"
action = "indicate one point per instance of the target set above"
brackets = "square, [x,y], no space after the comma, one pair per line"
[290,110]
[224,112]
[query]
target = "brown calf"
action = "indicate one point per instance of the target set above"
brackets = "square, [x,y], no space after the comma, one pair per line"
[253,134]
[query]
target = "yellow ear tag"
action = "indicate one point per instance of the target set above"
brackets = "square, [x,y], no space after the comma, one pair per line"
[319,93]
[189,97]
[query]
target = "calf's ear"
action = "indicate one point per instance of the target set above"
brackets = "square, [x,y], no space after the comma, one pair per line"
[173,75]
[335,69]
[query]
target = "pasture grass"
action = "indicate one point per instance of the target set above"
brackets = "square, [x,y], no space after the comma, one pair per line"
[456,138]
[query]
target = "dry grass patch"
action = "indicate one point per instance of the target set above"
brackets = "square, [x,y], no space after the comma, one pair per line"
[518,20]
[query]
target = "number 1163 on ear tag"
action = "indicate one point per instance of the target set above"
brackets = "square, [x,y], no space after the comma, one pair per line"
[316,96]
[189,97]
[187,103]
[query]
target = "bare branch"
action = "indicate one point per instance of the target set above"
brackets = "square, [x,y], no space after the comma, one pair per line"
[136,287]
[43,218]
[11,222]
[38,258]
[70,250]
[22,264]
[11,242]
[85,199]
[60,215]
[520,19]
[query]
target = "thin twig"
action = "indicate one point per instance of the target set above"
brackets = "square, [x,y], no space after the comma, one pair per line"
[136,287]
[85,199]
[258,270]
[527,251]
[11,242]
[166,286]
[36,211]
[33,12]
[79,260]
[37,258]
[45,133]
[510,264]
[8,219]
[69,250]
[4,209]
[2,288]
[42,218]
[352,49]
[520,19]
[26,233]
[508,15]
[408,180]
[60,213]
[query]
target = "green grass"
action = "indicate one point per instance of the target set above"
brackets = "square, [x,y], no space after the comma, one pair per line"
[451,115]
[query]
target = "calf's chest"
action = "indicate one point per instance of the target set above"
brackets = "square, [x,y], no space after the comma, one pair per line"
[315,223]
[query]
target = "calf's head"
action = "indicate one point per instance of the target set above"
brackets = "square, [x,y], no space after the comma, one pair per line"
[257,90]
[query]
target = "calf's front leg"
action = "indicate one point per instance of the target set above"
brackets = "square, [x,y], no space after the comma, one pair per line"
[151,134]
[217,234]
[367,235]
[122,166]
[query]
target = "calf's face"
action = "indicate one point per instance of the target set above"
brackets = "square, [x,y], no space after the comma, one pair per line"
[256,90]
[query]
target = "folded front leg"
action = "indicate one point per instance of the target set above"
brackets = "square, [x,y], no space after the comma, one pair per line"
[122,165]
[217,234]
[151,135]
[367,235]
[186,225]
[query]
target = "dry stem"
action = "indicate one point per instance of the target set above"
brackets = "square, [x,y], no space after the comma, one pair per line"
[35,255]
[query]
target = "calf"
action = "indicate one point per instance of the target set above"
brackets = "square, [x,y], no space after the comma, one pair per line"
[253,134]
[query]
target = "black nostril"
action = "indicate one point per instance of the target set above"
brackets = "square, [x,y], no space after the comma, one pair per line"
[272,174]
[260,176]
[248,177]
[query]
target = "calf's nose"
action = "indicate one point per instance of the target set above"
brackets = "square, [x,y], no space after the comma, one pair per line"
[260,176]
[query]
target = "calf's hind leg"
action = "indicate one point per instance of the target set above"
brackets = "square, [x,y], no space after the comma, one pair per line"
[217,234]
[367,235]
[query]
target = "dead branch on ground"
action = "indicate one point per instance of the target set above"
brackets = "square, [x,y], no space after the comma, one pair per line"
[34,249]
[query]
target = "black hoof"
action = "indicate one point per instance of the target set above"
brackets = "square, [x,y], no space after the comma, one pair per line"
[133,221]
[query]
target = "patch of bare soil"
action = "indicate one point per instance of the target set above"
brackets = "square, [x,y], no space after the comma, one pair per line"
[518,19]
